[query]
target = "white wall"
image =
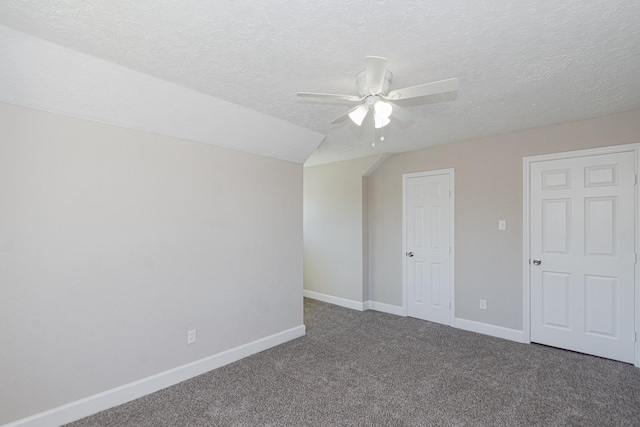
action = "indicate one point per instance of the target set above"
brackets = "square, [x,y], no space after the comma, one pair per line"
[115,242]
[488,171]
[335,219]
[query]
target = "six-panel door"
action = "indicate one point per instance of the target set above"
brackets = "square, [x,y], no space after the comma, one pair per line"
[582,233]
[428,225]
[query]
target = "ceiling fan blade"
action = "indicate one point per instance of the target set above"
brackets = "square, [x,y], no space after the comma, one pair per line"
[330,96]
[441,86]
[345,115]
[375,71]
[402,114]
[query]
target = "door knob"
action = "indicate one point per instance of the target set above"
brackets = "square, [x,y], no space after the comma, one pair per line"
[409,254]
[537,262]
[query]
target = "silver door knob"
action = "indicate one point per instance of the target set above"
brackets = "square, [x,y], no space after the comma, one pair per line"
[409,254]
[537,262]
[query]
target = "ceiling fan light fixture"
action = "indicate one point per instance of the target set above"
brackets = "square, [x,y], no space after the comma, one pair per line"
[382,112]
[380,122]
[383,109]
[358,115]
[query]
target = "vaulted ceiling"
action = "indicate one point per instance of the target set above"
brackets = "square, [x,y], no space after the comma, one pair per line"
[521,64]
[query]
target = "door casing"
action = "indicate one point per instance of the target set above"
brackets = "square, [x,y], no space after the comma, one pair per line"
[526,221]
[451,173]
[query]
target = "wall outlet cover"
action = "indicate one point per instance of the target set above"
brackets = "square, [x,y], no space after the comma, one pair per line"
[191,336]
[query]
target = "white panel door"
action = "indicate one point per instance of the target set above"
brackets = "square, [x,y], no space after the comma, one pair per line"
[583,254]
[427,228]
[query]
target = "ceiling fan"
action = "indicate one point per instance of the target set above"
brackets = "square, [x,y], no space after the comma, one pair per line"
[373,88]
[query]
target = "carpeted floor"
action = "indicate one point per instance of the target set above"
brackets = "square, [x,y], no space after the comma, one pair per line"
[374,369]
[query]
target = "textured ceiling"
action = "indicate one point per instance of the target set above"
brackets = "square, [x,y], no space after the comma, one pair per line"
[521,64]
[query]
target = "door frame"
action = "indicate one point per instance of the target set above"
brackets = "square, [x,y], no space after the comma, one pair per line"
[526,226]
[405,176]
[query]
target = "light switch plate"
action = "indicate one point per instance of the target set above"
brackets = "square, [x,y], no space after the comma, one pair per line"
[502,225]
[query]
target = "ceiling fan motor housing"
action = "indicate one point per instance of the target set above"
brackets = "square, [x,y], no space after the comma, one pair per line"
[361,82]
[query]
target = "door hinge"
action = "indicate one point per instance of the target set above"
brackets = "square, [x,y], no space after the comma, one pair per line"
[635,182]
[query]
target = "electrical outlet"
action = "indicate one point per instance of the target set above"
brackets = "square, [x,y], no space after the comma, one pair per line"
[483,304]
[191,336]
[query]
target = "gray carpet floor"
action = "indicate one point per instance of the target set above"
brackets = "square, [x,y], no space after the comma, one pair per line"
[374,369]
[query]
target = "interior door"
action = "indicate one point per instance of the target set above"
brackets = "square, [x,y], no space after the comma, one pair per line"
[427,240]
[583,254]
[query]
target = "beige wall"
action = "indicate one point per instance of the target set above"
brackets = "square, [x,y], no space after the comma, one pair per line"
[335,217]
[488,186]
[114,243]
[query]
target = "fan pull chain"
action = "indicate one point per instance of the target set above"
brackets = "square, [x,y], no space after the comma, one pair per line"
[373,129]
[373,142]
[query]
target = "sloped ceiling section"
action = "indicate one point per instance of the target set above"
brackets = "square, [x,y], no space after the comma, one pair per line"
[42,75]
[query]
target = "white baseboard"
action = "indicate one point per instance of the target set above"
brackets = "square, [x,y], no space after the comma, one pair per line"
[342,302]
[355,305]
[467,325]
[487,329]
[123,394]
[386,308]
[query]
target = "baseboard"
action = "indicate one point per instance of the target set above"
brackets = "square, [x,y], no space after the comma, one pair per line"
[467,325]
[355,305]
[123,394]
[342,302]
[386,308]
[487,329]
